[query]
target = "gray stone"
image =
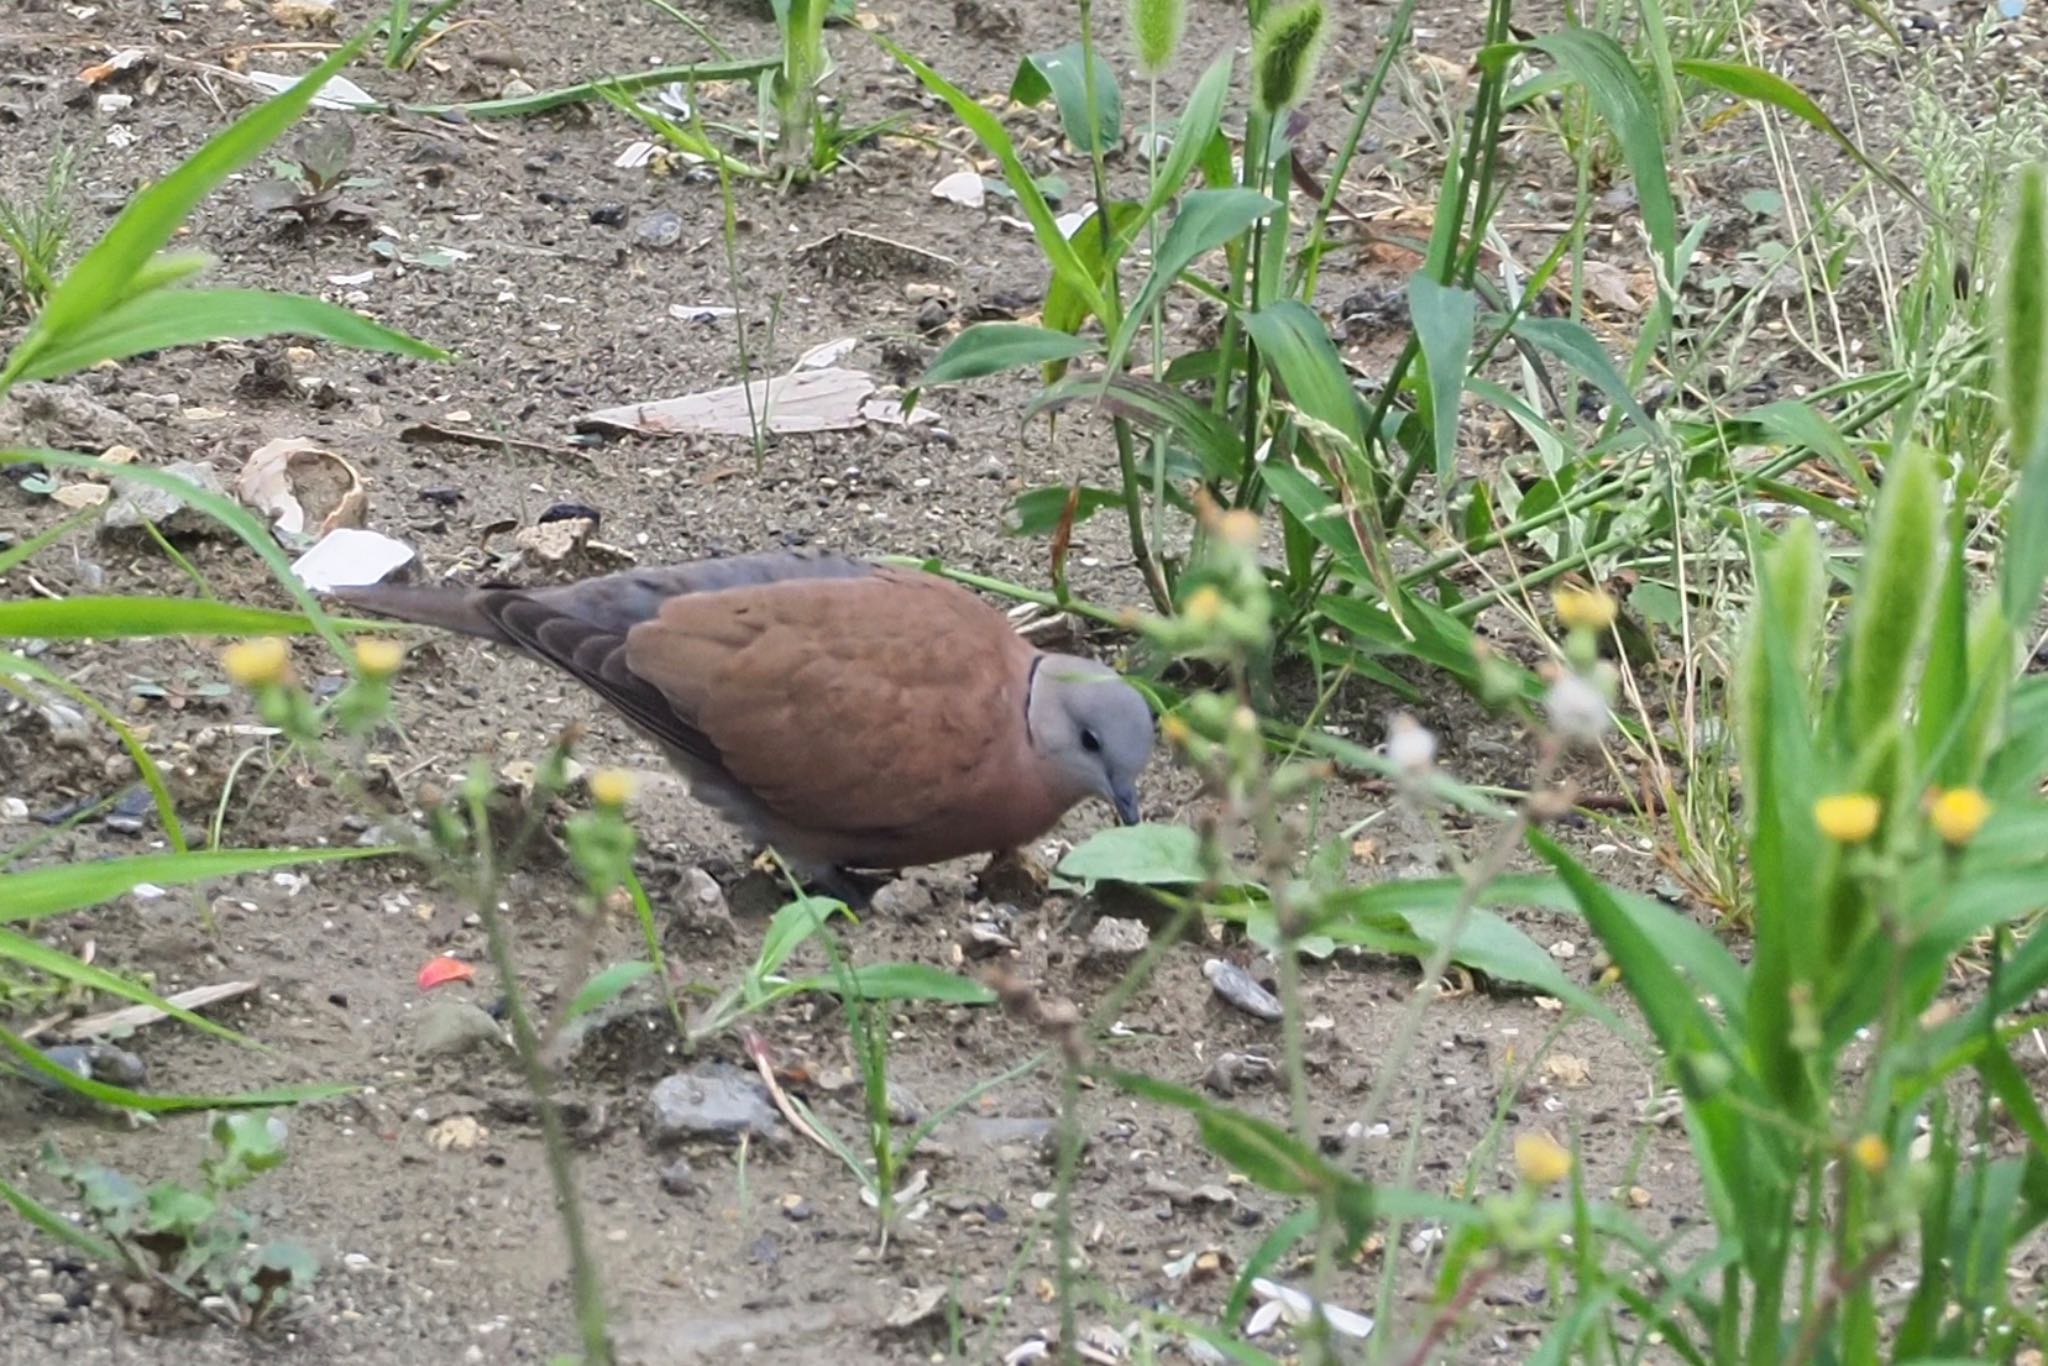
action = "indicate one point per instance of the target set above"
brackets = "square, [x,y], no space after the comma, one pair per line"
[711,1101]
[448,1029]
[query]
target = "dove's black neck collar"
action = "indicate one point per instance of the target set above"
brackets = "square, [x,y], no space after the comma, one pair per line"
[1030,688]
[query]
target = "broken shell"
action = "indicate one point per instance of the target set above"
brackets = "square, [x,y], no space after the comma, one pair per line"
[302,488]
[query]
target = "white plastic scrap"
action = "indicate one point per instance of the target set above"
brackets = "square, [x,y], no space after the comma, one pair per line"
[1297,1307]
[350,557]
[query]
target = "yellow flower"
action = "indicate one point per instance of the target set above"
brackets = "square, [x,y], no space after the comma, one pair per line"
[1959,813]
[1174,728]
[1848,817]
[1589,609]
[1541,1160]
[1872,1154]
[379,658]
[1239,527]
[259,663]
[612,787]
[1203,606]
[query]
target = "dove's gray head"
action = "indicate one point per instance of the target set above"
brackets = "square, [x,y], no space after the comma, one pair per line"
[1091,729]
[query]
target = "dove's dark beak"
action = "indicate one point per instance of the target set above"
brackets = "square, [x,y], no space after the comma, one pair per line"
[1126,799]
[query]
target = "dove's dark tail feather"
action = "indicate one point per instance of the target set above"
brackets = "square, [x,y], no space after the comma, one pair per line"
[451,609]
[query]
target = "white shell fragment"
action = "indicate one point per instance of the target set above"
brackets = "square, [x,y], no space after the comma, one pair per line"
[965,188]
[292,482]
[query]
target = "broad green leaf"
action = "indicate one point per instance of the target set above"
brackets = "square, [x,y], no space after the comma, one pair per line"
[606,986]
[1058,252]
[182,317]
[1295,344]
[1747,82]
[1063,75]
[904,982]
[1155,407]
[1296,347]
[1445,318]
[989,348]
[1207,219]
[1577,347]
[1041,510]
[53,890]
[1098,252]
[1193,135]
[1147,855]
[119,618]
[791,926]
[105,274]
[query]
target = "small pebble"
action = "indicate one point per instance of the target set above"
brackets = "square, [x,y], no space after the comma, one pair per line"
[1237,987]
[659,230]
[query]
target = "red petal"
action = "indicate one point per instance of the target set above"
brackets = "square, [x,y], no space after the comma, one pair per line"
[445,969]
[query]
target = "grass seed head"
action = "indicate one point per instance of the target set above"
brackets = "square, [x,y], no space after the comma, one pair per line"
[1284,55]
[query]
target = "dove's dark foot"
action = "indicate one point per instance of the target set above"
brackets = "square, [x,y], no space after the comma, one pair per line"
[828,879]
[855,889]
[1013,876]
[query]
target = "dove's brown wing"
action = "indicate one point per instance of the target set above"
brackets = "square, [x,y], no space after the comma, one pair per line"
[876,720]
[581,628]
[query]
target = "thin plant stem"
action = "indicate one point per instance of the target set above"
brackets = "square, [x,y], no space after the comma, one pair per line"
[585,1285]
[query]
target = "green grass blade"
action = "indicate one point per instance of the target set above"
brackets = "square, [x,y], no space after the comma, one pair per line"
[40,957]
[519,106]
[32,1059]
[57,1226]
[40,892]
[1192,135]
[130,617]
[1746,82]
[103,276]
[167,318]
[1575,345]
[1057,250]
[1598,63]
[152,777]
[223,510]
[1445,318]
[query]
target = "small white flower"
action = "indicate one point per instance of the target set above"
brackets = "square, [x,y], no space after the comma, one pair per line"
[1410,744]
[1577,707]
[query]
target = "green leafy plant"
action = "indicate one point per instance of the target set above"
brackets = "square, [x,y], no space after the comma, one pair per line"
[409,30]
[1267,417]
[186,1239]
[313,183]
[126,296]
[1891,785]
[34,232]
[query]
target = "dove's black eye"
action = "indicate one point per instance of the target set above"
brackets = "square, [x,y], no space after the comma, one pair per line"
[1089,742]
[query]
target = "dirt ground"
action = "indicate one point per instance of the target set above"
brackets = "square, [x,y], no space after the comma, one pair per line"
[529,264]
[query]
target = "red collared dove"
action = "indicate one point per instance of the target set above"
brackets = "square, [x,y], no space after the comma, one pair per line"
[854,716]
